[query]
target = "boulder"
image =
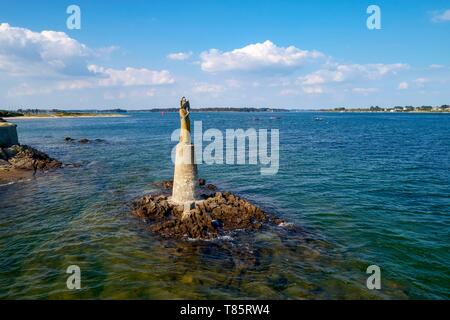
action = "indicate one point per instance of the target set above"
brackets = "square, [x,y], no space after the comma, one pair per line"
[27,158]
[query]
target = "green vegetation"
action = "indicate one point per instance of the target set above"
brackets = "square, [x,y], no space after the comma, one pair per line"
[78,114]
[6,114]
[58,113]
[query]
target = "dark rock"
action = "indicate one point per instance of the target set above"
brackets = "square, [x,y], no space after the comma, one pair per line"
[217,224]
[3,155]
[27,158]
[211,187]
[278,283]
[165,184]
[4,164]
[72,165]
[209,218]
[201,182]
[84,140]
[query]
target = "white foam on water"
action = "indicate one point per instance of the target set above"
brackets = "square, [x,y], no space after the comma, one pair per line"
[219,238]
[7,184]
[286,224]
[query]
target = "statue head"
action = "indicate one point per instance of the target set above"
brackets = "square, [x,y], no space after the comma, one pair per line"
[184,104]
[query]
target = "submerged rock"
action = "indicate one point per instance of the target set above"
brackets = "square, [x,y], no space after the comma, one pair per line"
[165,184]
[216,215]
[84,140]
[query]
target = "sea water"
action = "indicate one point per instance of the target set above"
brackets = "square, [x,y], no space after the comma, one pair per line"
[360,188]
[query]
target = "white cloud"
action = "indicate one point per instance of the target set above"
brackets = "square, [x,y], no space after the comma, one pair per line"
[103,78]
[436,66]
[403,85]
[314,78]
[364,91]
[130,76]
[441,16]
[313,89]
[129,94]
[289,92]
[179,56]
[233,83]
[49,53]
[420,82]
[334,73]
[24,52]
[258,56]
[207,88]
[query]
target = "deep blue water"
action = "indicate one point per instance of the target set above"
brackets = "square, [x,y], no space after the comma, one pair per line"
[365,189]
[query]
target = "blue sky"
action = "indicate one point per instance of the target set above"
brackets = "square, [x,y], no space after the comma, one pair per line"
[295,54]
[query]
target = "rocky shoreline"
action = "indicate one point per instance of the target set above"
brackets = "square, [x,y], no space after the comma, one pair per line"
[20,162]
[215,215]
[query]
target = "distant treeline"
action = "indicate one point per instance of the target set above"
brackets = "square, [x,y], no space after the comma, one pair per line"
[442,108]
[5,114]
[55,111]
[37,112]
[31,111]
[224,109]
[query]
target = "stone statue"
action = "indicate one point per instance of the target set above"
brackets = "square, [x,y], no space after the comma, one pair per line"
[185,174]
[185,107]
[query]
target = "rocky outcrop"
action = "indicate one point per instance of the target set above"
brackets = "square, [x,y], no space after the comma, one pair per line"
[84,140]
[8,134]
[23,157]
[216,215]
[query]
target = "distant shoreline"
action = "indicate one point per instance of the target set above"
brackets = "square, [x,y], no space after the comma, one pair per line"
[126,113]
[390,112]
[66,117]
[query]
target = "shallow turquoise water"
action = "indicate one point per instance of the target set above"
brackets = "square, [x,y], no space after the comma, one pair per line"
[364,189]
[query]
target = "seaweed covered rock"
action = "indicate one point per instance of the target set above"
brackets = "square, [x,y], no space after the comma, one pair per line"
[209,218]
[27,158]
[234,212]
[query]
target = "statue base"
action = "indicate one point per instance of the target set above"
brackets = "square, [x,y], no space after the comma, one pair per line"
[218,214]
[185,176]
